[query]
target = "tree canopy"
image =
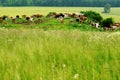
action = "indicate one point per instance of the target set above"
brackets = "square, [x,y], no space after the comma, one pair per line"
[87,3]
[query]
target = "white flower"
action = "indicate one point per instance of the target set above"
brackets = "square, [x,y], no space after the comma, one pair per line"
[64,65]
[76,76]
[10,40]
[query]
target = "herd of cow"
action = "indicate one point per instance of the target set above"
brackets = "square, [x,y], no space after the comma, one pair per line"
[115,26]
[37,18]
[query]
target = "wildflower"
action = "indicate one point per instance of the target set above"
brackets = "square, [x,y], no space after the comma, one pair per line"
[76,76]
[9,40]
[64,65]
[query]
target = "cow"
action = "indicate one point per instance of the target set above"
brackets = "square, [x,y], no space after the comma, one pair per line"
[4,17]
[24,16]
[62,21]
[17,16]
[59,15]
[13,19]
[116,26]
[108,28]
[37,16]
[5,23]
[71,21]
[1,19]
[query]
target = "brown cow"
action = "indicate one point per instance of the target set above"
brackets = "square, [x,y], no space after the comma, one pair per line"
[5,23]
[116,26]
[108,28]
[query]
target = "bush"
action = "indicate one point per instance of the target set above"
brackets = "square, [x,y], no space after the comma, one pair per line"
[51,13]
[107,8]
[107,22]
[93,16]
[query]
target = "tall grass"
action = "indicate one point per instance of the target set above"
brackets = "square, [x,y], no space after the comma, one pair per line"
[34,54]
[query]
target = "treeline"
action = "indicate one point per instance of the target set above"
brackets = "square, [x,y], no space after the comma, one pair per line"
[81,3]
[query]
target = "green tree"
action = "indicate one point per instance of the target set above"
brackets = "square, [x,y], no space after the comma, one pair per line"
[94,16]
[107,8]
[87,3]
[107,22]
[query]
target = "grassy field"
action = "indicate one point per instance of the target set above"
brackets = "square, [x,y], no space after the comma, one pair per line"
[12,11]
[34,54]
[55,51]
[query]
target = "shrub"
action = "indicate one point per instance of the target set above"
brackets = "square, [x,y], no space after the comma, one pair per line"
[107,22]
[93,16]
[51,13]
[107,8]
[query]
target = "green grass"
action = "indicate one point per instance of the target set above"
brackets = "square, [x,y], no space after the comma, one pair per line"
[35,54]
[12,11]
[56,51]
[51,24]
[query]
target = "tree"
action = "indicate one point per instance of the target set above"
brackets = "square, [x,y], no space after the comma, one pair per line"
[94,16]
[85,3]
[107,22]
[107,8]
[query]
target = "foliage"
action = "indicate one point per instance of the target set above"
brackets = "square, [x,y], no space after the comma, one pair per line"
[51,13]
[86,3]
[91,15]
[107,8]
[107,22]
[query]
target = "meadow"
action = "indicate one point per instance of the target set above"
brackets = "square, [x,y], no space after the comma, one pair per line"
[35,54]
[40,53]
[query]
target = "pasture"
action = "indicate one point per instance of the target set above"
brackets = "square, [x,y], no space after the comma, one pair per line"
[34,54]
[55,51]
[13,11]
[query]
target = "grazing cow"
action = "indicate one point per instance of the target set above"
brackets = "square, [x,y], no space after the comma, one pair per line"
[66,15]
[71,15]
[13,19]
[116,26]
[81,21]
[17,16]
[31,19]
[1,19]
[79,17]
[62,21]
[24,16]
[77,20]
[75,16]
[108,29]
[71,21]
[4,17]
[5,23]
[82,17]
[97,25]
[62,15]
[37,16]
[27,18]
[38,21]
